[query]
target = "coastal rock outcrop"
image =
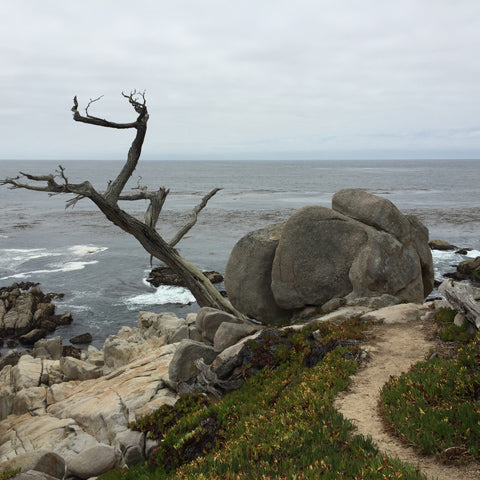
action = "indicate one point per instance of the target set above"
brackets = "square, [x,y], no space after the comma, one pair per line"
[67,405]
[362,247]
[27,313]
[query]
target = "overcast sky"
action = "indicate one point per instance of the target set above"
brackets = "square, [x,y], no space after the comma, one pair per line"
[245,79]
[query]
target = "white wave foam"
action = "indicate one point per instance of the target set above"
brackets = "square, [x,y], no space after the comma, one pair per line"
[25,254]
[82,250]
[13,258]
[473,254]
[444,255]
[66,267]
[161,296]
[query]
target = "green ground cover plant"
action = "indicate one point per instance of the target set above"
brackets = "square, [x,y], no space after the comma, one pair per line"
[280,424]
[9,474]
[436,405]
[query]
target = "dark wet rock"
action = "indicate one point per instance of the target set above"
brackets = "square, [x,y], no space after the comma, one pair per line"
[10,358]
[24,308]
[64,319]
[441,245]
[166,276]
[466,270]
[71,351]
[31,337]
[83,338]
[48,325]
[12,344]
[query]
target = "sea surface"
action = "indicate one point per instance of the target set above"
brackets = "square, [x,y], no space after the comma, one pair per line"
[102,271]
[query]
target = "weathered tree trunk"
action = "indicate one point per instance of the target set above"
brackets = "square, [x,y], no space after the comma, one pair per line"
[145,232]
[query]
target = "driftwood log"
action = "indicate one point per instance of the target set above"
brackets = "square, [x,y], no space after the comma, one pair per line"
[463,297]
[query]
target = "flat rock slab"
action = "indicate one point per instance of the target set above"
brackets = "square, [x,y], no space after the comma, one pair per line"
[402,313]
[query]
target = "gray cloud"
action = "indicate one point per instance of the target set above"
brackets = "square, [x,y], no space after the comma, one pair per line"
[250,79]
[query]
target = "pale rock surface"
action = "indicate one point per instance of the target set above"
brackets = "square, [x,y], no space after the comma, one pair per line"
[81,414]
[33,475]
[132,446]
[26,373]
[402,313]
[43,461]
[7,393]
[31,400]
[153,331]
[20,316]
[75,369]
[341,315]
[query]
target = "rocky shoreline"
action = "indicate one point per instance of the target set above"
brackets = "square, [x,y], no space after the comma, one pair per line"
[71,410]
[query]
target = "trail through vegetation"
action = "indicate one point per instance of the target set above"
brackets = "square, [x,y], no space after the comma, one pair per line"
[394,350]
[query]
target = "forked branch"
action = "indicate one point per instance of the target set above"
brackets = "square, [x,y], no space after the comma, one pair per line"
[193,218]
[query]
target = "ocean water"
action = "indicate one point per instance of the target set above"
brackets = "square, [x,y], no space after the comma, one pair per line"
[102,271]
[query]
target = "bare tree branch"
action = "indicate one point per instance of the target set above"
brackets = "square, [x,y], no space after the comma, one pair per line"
[193,218]
[101,122]
[84,189]
[88,105]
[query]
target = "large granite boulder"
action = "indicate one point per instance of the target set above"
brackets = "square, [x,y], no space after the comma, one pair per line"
[248,283]
[362,247]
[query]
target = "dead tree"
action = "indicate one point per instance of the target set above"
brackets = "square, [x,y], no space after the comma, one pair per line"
[145,232]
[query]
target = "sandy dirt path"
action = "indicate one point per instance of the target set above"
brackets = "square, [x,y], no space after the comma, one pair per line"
[394,349]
